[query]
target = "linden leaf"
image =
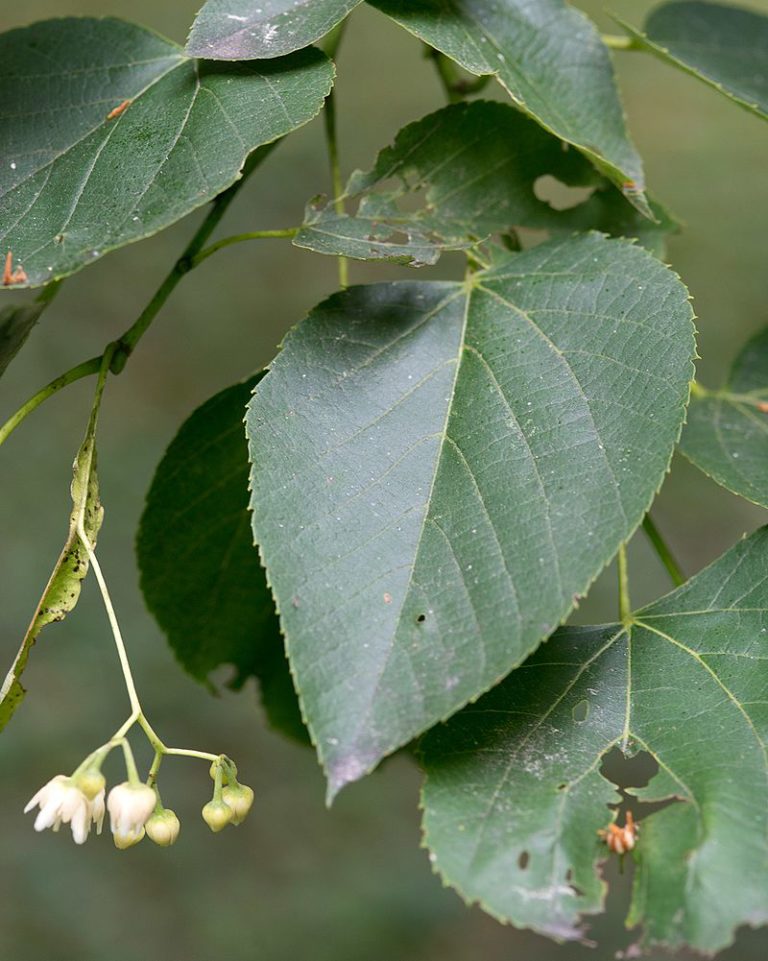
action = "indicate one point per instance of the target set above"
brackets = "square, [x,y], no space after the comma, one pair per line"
[439,468]
[725,46]
[514,796]
[726,435]
[550,59]
[110,133]
[475,167]
[200,572]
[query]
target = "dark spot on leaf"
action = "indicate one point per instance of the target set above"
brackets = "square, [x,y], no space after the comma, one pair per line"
[421,618]
[523,860]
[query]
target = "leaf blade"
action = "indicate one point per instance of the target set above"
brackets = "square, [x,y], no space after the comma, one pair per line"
[262,29]
[385,524]
[726,435]
[549,58]
[685,687]
[135,135]
[722,45]
[200,572]
[458,162]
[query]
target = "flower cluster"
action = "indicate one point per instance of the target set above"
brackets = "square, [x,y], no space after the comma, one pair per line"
[134,808]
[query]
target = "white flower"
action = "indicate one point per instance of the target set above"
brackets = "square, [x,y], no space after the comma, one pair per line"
[130,806]
[62,802]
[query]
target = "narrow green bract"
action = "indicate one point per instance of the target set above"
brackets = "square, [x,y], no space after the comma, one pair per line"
[726,435]
[438,469]
[125,135]
[549,58]
[514,796]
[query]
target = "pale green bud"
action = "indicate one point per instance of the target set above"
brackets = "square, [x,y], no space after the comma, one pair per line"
[90,782]
[238,797]
[217,815]
[163,828]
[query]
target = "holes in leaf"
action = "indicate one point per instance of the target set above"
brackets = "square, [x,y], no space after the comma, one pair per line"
[559,195]
[523,860]
[580,711]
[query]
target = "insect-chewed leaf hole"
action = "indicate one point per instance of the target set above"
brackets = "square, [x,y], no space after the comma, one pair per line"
[559,195]
[581,711]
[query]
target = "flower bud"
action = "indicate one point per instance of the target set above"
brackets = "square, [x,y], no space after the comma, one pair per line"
[238,797]
[217,815]
[163,828]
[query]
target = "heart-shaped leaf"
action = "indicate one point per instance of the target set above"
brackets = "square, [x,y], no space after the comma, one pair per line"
[439,468]
[726,435]
[200,571]
[514,795]
[260,29]
[475,167]
[125,134]
[549,58]
[725,46]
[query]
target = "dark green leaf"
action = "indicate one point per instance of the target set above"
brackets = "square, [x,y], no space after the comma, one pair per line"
[438,469]
[473,167]
[16,323]
[520,770]
[725,46]
[78,180]
[549,58]
[261,29]
[727,431]
[63,589]
[200,571]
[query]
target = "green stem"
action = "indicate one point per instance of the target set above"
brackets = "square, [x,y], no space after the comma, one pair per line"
[665,554]
[625,606]
[185,752]
[126,344]
[130,764]
[446,71]
[619,42]
[86,369]
[240,238]
[156,762]
[331,139]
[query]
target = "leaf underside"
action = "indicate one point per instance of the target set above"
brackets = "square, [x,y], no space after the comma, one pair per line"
[725,46]
[726,434]
[200,572]
[549,58]
[474,167]
[519,771]
[16,324]
[63,589]
[438,469]
[261,29]
[127,135]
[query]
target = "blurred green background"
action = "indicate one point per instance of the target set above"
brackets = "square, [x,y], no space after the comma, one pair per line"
[296,880]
